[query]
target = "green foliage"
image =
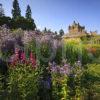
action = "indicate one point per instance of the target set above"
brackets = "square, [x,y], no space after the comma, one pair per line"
[23,82]
[74,83]
[97,52]
[61,32]
[28,12]
[17,21]
[59,87]
[1,84]
[45,53]
[5,20]
[75,52]
[90,80]
[30,47]
[23,23]
[16,12]
[94,69]
[20,22]
[58,56]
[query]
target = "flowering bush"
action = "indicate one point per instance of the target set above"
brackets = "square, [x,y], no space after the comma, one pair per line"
[59,76]
[66,81]
[20,57]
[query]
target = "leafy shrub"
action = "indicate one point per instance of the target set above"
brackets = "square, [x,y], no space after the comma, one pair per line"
[90,80]
[23,82]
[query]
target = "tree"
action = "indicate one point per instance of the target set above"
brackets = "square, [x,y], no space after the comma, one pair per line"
[49,31]
[45,30]
[23,23]
[5,20]
[1,11]
[61,32]
[16,12]
[55,33]
[28,12]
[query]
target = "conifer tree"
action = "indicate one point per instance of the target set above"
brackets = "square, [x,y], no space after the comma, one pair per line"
[28,12]
[1,11]
[61,32]
[16,12]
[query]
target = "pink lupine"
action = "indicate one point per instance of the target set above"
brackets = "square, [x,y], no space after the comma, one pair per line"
[16,53]
[23,57]
[14,58]
[32,59]
[20,57]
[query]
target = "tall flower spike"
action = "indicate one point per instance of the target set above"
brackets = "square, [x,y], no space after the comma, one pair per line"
[16,53]
[23,57]
[32,59]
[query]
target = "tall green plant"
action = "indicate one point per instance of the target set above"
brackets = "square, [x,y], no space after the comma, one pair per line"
[59,86]
[76,52]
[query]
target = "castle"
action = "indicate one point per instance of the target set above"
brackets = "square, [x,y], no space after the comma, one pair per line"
[77,29]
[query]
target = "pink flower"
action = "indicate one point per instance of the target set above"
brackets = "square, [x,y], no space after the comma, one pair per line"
[32,59]
[23,57]
[16,53]
[14,58]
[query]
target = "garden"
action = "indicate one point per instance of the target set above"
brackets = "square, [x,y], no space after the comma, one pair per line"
[35,66]
[43,65]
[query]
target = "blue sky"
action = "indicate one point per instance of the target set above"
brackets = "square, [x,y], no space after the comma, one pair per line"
[57,14]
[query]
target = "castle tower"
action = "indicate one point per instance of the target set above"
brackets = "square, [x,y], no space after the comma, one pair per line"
[76,29]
